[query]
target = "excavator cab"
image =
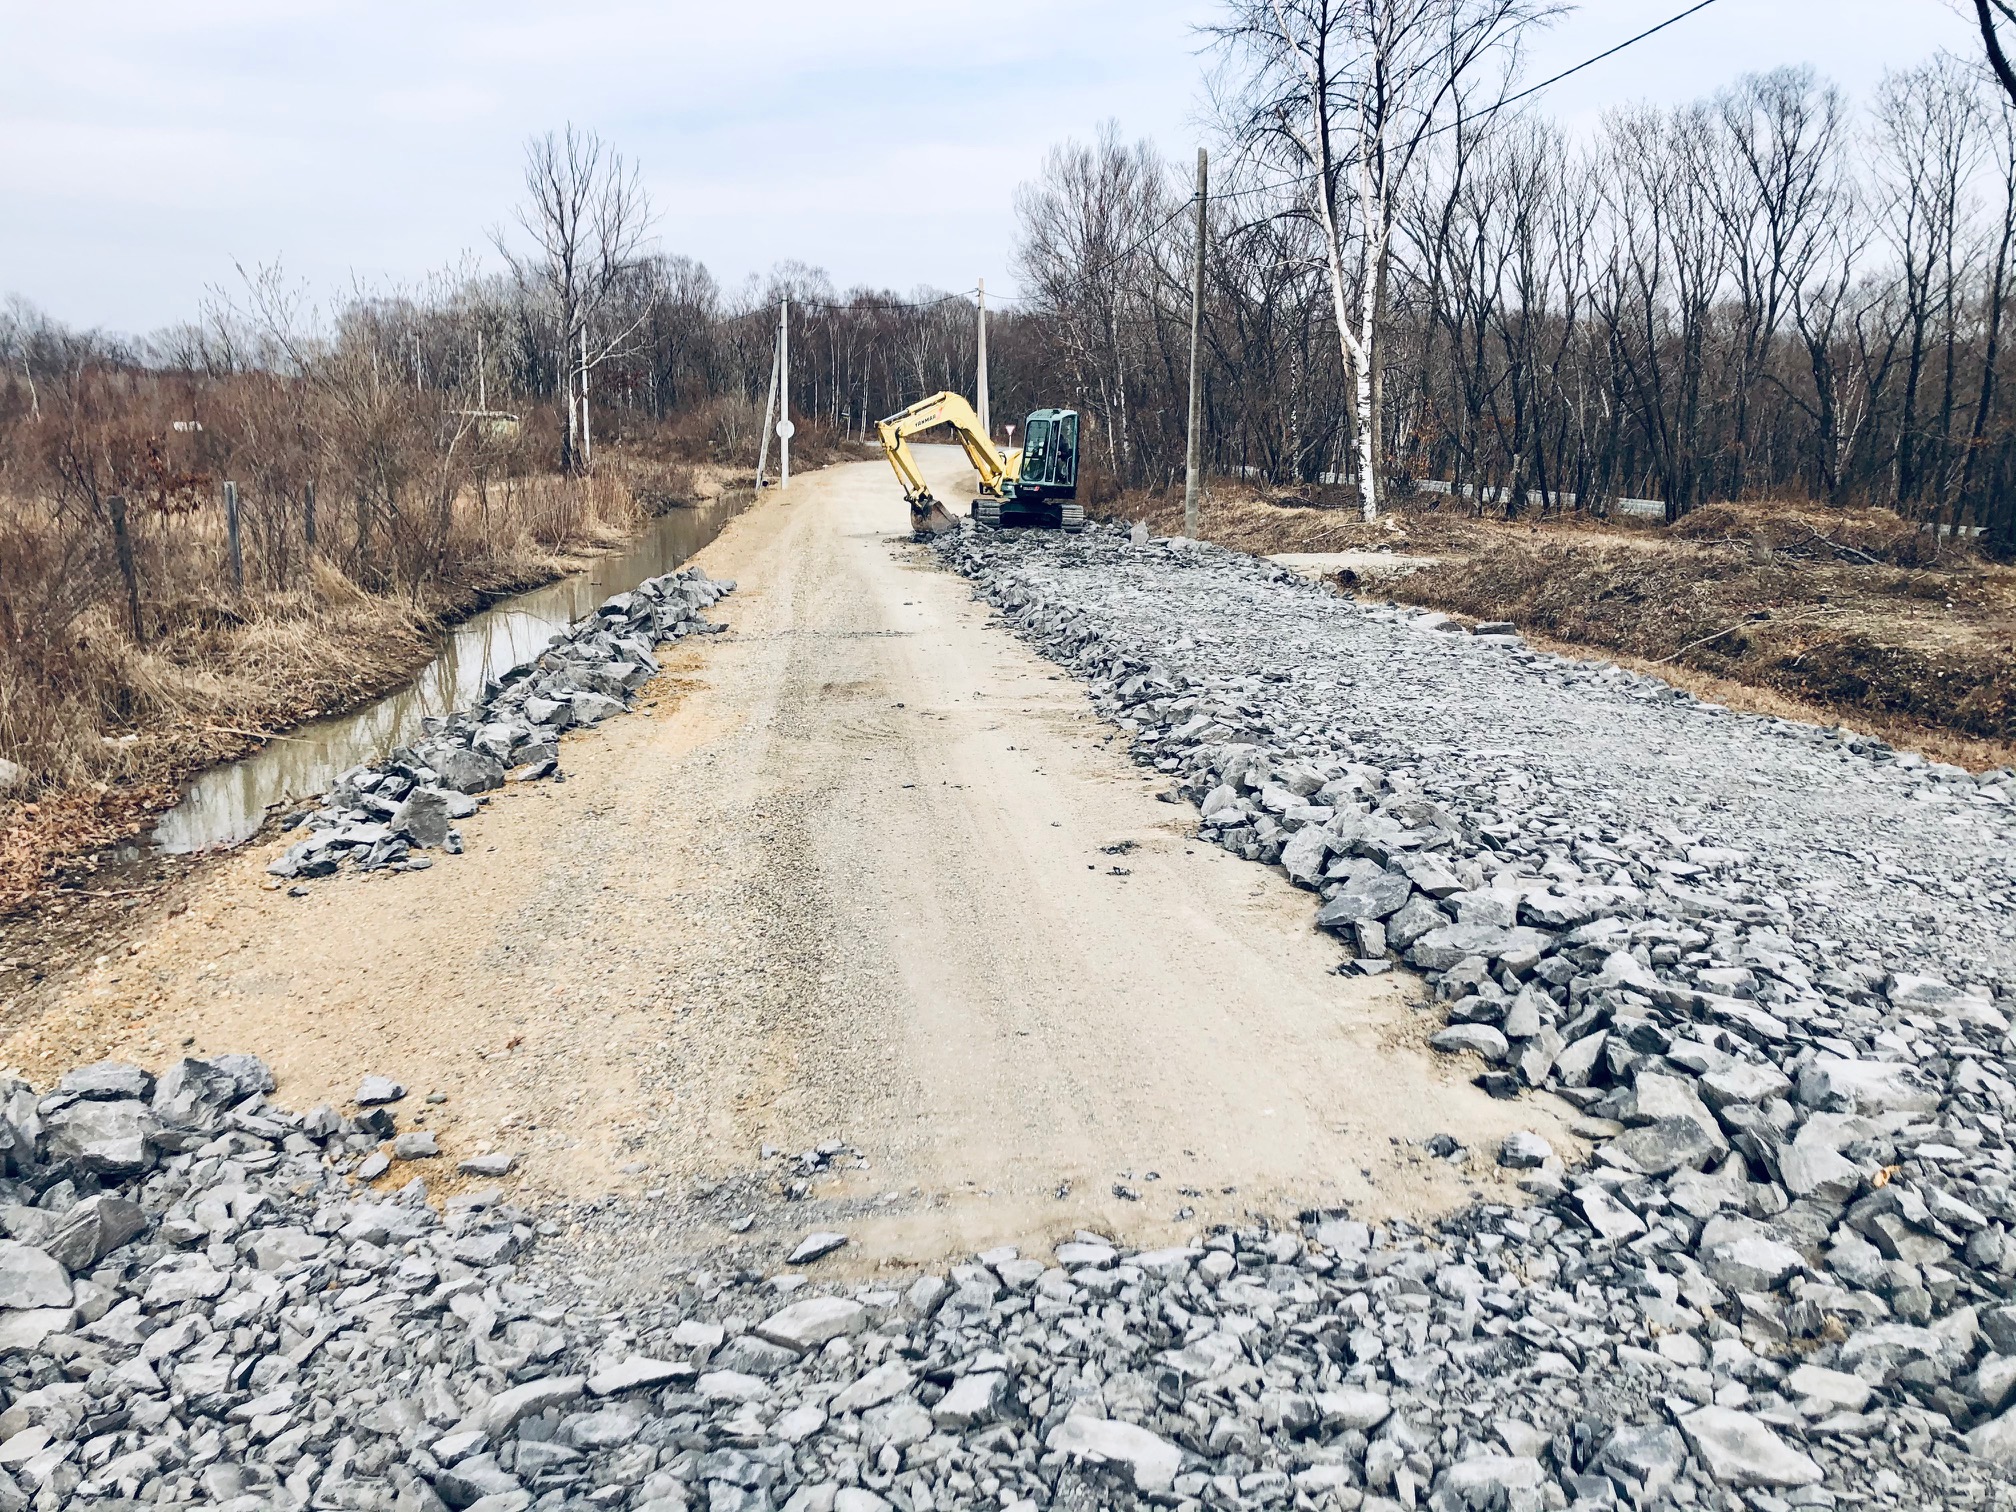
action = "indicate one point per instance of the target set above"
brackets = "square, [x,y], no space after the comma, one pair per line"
[1043,489]
[1049,456]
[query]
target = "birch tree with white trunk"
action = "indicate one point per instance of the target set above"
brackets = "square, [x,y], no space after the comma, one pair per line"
[1347,95]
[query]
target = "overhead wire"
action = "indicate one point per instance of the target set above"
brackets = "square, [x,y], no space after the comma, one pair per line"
[1189,201]
[882,304]
[1524,94]
[1610,52]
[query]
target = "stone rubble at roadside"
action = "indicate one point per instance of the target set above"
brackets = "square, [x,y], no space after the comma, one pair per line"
[1801,1156]
[378,816]
[198,1308]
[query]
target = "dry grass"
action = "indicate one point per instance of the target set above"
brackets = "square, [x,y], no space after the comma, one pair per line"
[106,729]
[1245,520]
[1847,616]
[1929,740]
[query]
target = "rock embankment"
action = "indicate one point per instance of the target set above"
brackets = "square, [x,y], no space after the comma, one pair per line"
[1783,1280]
[199,1308]
[1770,963]
[377,816]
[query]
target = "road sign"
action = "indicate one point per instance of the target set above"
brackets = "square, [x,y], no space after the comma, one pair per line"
[786,429]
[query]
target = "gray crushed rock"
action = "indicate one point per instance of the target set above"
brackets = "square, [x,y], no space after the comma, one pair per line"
[376,817]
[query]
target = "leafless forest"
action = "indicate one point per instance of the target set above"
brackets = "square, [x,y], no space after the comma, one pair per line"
[1413,276]
[1775,292]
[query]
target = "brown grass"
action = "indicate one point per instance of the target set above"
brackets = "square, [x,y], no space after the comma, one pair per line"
[1827,616]
[107,729]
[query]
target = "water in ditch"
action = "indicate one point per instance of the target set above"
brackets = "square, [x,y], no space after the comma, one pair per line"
[228,803]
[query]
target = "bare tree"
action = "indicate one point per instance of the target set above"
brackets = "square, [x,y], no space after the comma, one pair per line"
[1930,138]
[1776,189]
[1991,16]
[1996,302]
[1349,93]
[588,216]
[1666,263]
[1087,256]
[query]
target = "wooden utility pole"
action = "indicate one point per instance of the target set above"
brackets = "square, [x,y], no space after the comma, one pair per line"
[1193,475]
[124,544]
[308,515]
[986,421]
[784,426]
[231,529]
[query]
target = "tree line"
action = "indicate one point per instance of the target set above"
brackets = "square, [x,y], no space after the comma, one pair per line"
[1771,291]
[1407,280]
[356,430]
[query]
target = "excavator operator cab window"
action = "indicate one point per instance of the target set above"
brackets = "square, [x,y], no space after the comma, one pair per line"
[1064,472]
[1036,452]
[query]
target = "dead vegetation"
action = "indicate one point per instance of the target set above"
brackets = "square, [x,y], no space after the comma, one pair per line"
[136,648]
[1833,615]
[101,728]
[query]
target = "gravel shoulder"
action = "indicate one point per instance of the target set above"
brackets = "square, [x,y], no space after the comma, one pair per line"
[868,871]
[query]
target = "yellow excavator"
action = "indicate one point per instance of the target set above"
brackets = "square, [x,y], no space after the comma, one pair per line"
[1036,484]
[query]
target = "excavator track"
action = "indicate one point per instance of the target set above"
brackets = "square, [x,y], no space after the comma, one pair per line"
[1071,517]
[988,512]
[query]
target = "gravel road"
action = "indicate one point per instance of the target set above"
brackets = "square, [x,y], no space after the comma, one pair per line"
[1871,854]
[869,871]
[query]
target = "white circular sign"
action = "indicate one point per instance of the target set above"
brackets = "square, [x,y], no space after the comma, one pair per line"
[786,429]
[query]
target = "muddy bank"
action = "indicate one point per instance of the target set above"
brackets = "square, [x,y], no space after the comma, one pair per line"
[352,679]
[79,868]
[229,804]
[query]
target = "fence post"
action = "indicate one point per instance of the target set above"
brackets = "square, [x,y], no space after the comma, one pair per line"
[308,501]
[231,528]
[124,544]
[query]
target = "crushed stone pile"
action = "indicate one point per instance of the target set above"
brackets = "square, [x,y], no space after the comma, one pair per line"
[1784,1279]
[199,1309]
[1771,963]
[376,817]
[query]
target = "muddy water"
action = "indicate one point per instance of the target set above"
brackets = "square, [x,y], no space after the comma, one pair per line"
[228,803]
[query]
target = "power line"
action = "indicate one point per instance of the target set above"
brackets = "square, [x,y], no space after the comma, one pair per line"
[1528,93]
[1524,94]
[883,304]
[1121,256]
[1592,62]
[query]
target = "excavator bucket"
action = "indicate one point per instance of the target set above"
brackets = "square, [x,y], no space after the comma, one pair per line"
[930,518]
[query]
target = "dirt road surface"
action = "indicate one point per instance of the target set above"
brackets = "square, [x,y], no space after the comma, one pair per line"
[865,870]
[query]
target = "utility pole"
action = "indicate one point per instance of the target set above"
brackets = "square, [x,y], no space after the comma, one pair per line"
[784,426]
[1193,475]
[482,389]
[769,419]
[587,438]
[986,423]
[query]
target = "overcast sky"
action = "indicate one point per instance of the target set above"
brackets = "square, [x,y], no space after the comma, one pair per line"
[150,147]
